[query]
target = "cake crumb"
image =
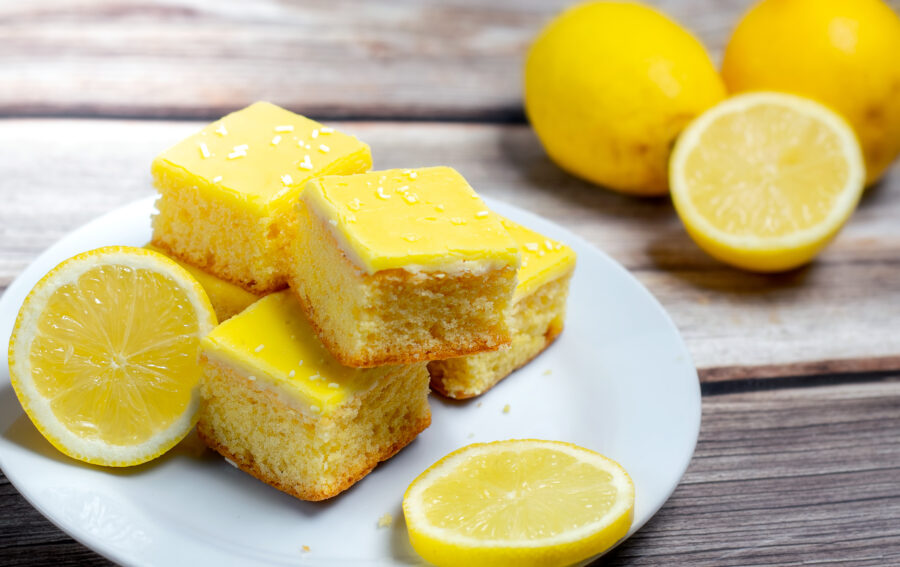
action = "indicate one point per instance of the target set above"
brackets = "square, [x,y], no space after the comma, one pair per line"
[471,436]
[478,405]
[548,372]
[305,549]
[506,408]
[385,521]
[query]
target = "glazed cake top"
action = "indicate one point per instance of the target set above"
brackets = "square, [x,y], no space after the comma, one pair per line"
[543,259]
[426,219]
[272,341]
[263,151]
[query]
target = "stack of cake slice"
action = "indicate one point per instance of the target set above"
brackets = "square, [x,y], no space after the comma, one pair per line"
[397,279]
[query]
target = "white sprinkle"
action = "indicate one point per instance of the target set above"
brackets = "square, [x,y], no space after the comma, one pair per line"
[307,146]
[326,130]
[251,378]
[439,207]
[307,164]
[351,217]
[300,363]
[403,189]
[324,148]
[259,348]
[334,385]
[532,246]
[284,128]
[354,204]
[410,237]
[413,174]
[315,409]
[315,377]
[548,244]
[474,196]
[315,134]
[287,179]
[217,178]
[410,198]
[275,140]
[292,373]
[332,222]
[235,155]
[481,214]
[221,129]
[383,177]
[241,148]
[232,463]
[381,194]
[457,220]
[558,246]
[204,151]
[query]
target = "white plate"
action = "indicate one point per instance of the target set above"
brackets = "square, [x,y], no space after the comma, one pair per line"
[619,380]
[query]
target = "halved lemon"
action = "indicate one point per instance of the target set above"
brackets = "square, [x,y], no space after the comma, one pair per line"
[519,502]
[763,181]
[104,355]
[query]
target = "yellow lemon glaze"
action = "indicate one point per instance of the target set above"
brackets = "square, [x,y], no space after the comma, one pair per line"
[272,341]
[263,153]
[543,260]
[426,219]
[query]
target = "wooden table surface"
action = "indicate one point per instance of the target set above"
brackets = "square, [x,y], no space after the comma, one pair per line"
[799,453]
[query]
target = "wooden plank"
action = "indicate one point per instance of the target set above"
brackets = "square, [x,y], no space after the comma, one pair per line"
[458,59]
[781,477]
[838,315]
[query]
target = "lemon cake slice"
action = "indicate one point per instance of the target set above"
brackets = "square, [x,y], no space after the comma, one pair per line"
[226,298]
[400,266]
[276,404]
[536,318]
[226,193]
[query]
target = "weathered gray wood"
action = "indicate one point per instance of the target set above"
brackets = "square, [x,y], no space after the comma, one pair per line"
[838,315]
[191,58]
[782,477]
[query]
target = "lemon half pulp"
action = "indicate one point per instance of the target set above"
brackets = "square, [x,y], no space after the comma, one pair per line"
[520,502]
[103,356]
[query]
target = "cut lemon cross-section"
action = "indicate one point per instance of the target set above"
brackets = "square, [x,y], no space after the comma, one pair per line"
[104,355]
[519,502]
[763,181]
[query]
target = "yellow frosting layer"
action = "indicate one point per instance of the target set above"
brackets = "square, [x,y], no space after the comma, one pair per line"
[543,260]
[418,219]
[227,298]
[273,341]
[263,152]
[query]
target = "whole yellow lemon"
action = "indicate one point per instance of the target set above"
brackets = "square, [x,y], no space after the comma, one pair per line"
[843,53]
[608,87]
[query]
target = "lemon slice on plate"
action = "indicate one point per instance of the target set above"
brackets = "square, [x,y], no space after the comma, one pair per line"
[519,502]
[104,355]
[763,181]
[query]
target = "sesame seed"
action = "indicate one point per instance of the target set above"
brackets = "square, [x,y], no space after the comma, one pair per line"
[334,385]
[324,148]
[286,179]
[326,130]
[332,222]
[381,194]
[221,129]
[276,140]
[292,373]
[259,348]
[531,246]
[217,178]
[481,214]
[314,134]
[284,128]
[204,151]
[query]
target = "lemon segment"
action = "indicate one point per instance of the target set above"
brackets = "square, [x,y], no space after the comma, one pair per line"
[104,355]
[763,181]
[519,502]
